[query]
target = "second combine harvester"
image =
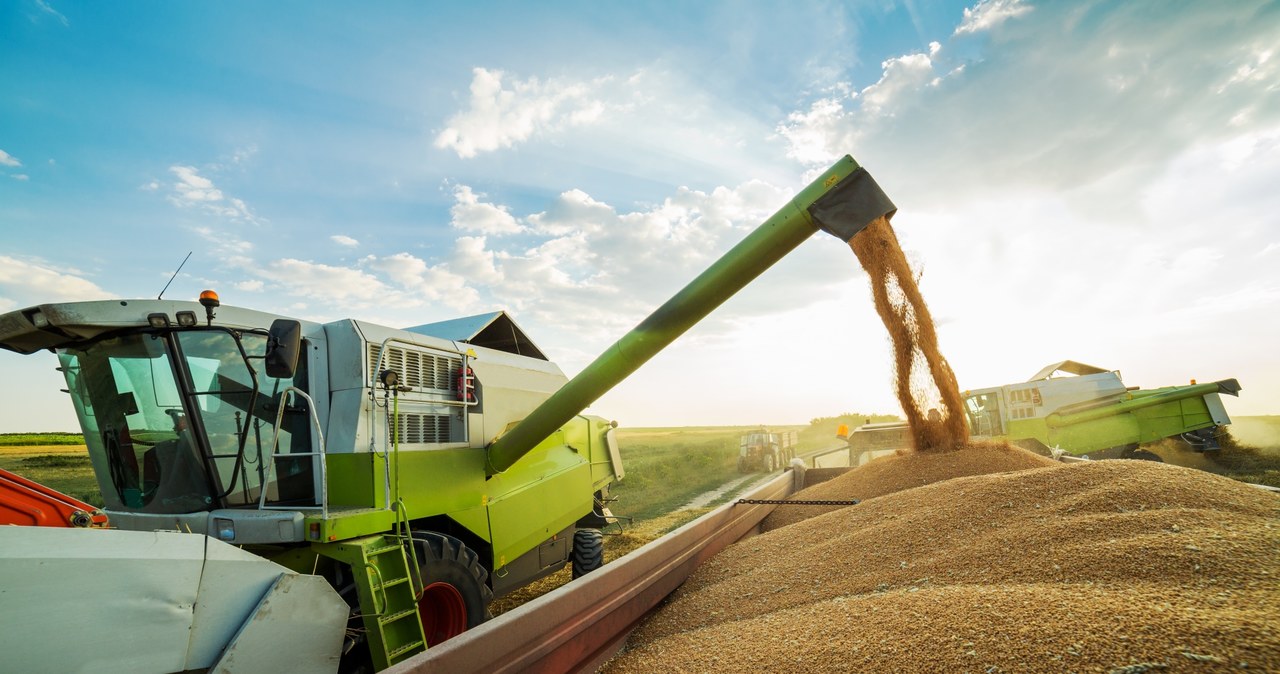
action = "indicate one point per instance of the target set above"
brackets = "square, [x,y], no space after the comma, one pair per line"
[422,471]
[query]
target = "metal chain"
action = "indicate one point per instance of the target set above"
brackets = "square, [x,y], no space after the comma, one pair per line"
[765,501]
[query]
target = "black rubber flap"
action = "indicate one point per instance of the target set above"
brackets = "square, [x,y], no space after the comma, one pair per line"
[851,205]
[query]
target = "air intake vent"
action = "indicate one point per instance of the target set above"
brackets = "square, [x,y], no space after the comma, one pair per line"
[428,372]
[424,428]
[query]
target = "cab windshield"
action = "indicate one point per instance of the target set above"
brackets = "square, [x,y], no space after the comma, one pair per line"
[180,421]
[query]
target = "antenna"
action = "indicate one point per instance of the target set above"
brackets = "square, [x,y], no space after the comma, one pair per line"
[175,275]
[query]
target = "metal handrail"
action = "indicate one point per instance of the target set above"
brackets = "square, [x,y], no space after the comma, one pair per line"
[271,456]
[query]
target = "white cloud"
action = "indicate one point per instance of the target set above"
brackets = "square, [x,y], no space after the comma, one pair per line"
[588,268]
[469,214]
[344,240]
[7,159]
[1102,91]
[24,282]
[244,154]
[903,75]
[252,286]
[225,244]
[20,177]
[988,14]
[473,261]
[392,288]
[420,280]
[501,114]
[48,9]
[192,190]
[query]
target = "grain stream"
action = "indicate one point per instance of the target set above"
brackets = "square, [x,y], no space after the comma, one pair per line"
[924,383]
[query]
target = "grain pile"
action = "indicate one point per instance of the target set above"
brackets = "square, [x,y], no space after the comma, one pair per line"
[906,470]
[924,381]
[1109,566]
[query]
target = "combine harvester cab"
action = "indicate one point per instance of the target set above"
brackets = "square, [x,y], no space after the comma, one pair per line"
[1093,413]
[421,472]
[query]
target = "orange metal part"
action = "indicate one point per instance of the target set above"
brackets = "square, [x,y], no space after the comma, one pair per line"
[28,503]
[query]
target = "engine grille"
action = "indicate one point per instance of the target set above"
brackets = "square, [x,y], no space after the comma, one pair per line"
[418,370]
[424,428]
[424,372]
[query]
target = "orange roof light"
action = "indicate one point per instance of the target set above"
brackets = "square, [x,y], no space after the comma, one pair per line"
[209,300]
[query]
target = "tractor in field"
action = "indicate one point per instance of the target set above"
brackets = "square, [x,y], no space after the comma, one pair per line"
[420,471]
[765,450]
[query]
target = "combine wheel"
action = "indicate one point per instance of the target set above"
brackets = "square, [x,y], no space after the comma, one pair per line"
[455,594]
[588,551]
[742,465]
[769,463]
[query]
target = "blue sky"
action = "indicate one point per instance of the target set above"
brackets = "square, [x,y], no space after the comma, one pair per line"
[1090,180]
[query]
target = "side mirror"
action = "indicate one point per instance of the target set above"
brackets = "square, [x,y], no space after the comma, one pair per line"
[283,346]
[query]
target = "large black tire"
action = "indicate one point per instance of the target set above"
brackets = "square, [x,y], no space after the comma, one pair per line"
[588,551]
[455,588]
[742,465]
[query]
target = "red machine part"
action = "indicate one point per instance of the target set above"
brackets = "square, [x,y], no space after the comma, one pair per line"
[30,503]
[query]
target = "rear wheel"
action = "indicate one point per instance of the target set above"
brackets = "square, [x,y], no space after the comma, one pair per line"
[769,463]
[455,595]
[588,551]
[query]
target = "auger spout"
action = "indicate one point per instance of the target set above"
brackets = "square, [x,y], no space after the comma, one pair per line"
[841,201]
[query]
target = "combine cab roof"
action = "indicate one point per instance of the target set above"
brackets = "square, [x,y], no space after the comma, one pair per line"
[494,330]
[1069,367]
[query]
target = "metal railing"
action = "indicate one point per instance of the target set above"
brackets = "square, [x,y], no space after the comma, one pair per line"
[318,455]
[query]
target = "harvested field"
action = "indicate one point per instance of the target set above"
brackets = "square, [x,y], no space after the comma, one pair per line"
[1109,566]
[906,470]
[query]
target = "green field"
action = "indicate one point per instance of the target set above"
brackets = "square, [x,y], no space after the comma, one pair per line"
[667,467]
[70,474]
[38,439]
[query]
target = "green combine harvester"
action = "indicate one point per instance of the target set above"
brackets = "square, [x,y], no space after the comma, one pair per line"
[1089,413]
[422,471]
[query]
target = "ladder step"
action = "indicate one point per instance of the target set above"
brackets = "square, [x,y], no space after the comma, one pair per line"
[393,654]
[400,615]
[374,552]
[391,583]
